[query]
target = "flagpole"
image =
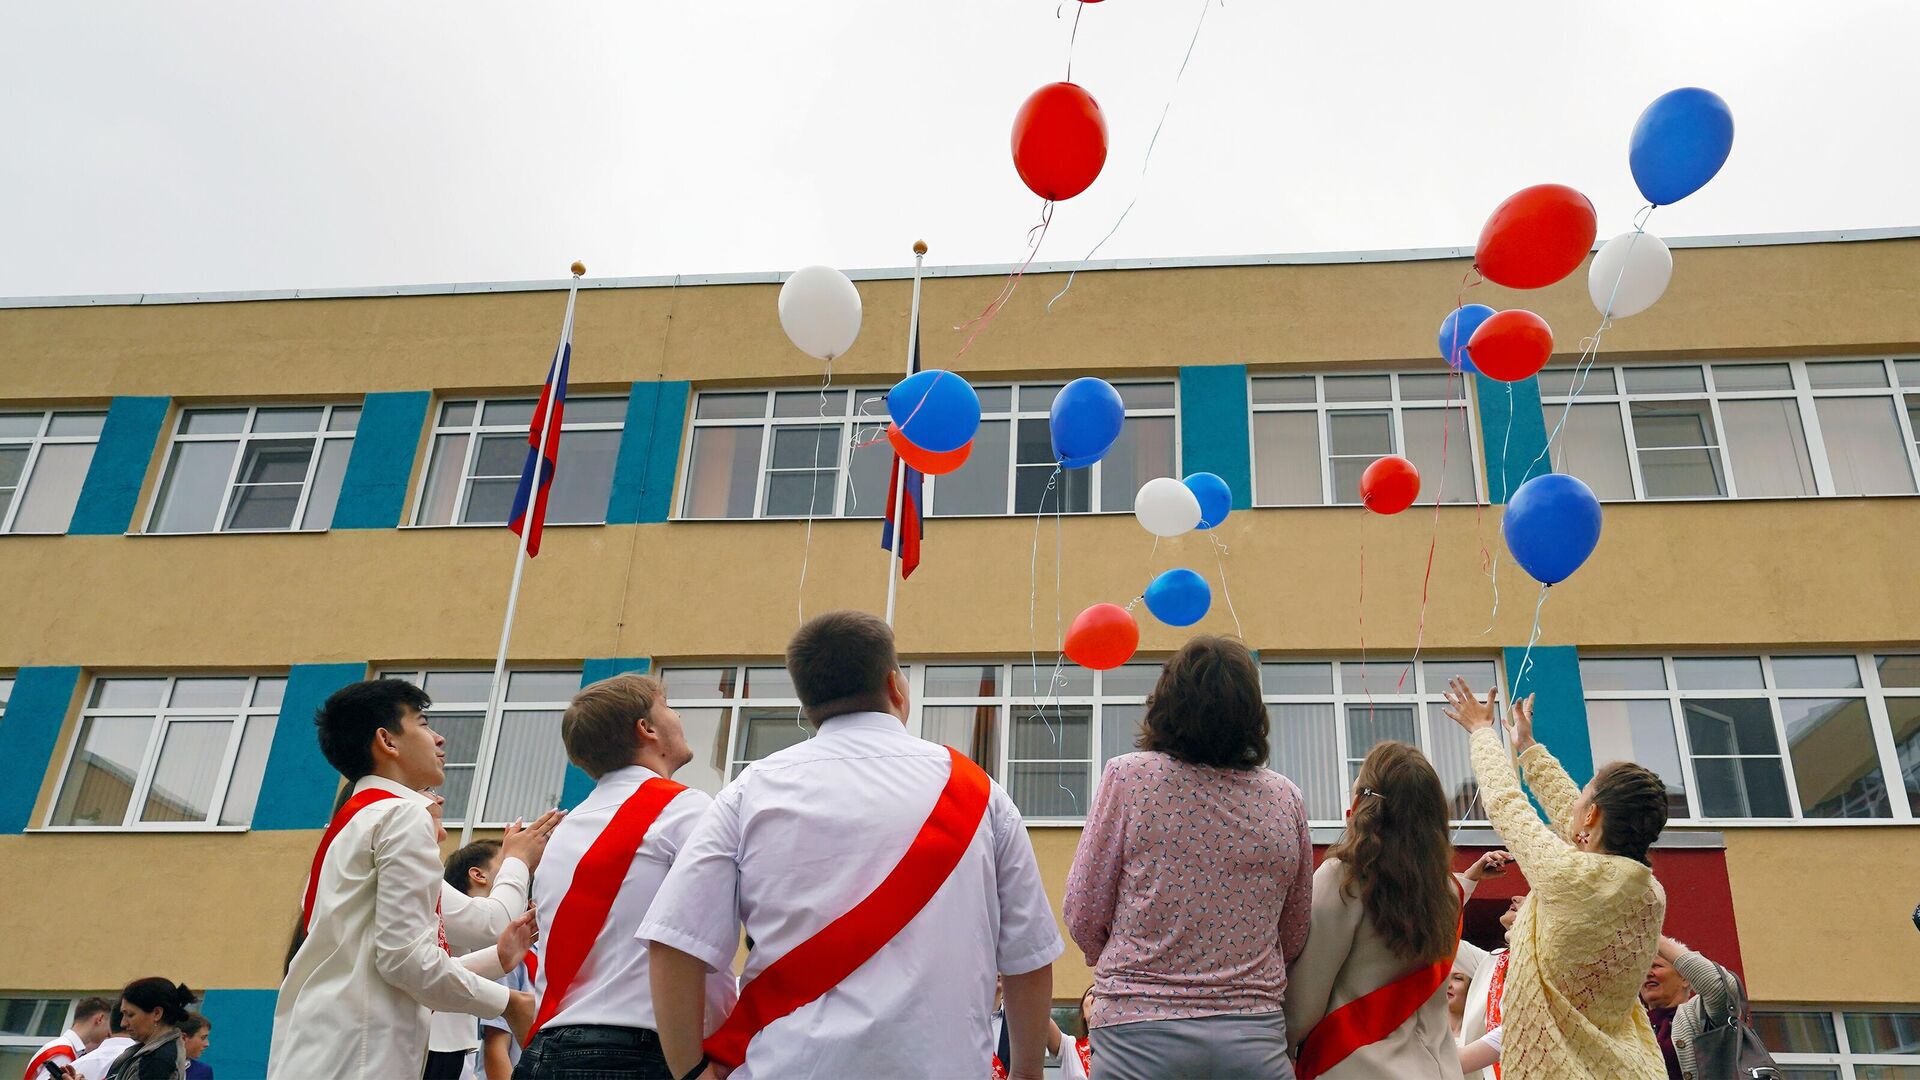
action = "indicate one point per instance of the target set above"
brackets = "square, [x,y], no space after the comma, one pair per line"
[490,726]
[899,466]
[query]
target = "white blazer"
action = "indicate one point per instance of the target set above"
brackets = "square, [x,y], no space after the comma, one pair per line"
[355,1001]
[1479,964]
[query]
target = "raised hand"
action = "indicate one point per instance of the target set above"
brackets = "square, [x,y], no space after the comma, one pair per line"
[1492,864]
[1520,725]
[528,842]
[1465,709]
[517,939]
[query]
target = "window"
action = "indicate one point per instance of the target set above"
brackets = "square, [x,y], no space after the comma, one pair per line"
[1313,435]
[1327,715]
[1048,758]
[43,461]
[480,448]
[1737,430]
[1832,1045]
[528,761]
[1771,737]
[6,692]
[29,1021]
[254,469]
[791,453]
[159,752]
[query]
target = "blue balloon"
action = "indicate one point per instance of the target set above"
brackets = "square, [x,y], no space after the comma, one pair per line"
[1085,419]
[936,410]
[1679,143]
[1179,597]
[1456,330]
[1216,498]
[1551,525]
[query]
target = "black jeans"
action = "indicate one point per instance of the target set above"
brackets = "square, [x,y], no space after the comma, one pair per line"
[445,1064]
[593,1052]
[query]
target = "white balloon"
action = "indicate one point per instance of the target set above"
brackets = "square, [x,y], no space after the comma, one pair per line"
[1166,507]
[1632,270]
[820,311]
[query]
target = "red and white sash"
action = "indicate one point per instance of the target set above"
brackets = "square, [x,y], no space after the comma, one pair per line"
[60,1052]
[360,801]
[1496,986]
[1372,1016]
[820,963]
[583,911]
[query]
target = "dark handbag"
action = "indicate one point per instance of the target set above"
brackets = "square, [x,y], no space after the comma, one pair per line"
[1727,1047]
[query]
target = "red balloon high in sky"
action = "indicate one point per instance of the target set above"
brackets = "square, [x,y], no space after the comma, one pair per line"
[1059,141]
[1538,236]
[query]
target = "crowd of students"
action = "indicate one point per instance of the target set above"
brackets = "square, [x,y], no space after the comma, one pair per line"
[147,1033]
[895,924]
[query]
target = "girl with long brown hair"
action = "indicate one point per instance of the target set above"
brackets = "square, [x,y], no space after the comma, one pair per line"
[1368,997]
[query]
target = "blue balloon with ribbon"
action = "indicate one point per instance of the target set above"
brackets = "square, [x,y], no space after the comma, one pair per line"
[1456,330]
[1216,498]
[1085,420]
[1679,143]
[935,410]
[1551,525]
[1179,597]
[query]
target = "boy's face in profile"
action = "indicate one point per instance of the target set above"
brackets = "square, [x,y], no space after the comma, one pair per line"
[419,750]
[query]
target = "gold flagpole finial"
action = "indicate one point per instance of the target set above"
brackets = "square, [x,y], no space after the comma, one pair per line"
[919,247]
[579,269]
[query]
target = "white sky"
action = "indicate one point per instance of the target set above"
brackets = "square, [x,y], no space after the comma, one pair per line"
[185,145]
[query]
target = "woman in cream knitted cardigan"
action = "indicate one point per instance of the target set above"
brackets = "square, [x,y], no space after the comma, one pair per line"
[1591,925]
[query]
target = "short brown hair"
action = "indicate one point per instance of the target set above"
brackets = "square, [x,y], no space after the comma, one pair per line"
[840,662]
[598,728]
[92,1006]
[1206,708]
[193,1024]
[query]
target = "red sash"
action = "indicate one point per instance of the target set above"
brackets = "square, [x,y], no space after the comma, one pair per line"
[1085,1049]
[1497,986]
[1371,1017]
[352,806]
[56,1052]
[818,964]
[583,911]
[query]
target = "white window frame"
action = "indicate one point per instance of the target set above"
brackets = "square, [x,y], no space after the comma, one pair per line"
[1396,406]
[492,718]
[869,421]
[1869,689]
[6,690]
[1802,394]
[1844,1059]
[30,1044]
[163,716]
[1416,693]
[474,432]
[33,443]
[245,435]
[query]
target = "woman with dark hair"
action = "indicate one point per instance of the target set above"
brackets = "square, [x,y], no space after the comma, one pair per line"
[1368,997]
[150,1013]
[1190,890]
[1588,931]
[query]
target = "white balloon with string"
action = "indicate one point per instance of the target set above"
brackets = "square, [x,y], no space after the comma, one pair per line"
[1166,507]
[820,311]
[1628,274]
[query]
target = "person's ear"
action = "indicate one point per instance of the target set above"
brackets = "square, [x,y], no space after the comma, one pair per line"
[383,741]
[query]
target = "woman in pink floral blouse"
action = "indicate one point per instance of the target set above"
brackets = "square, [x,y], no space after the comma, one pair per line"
[1192,888]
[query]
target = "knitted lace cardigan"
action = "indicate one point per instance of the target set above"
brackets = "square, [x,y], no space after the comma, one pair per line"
[1583,939]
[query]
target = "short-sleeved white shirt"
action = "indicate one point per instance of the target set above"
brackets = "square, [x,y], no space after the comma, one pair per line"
[802,836]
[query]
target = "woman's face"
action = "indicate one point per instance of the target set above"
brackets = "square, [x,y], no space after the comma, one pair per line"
[1512,913]
[1457,984]
[140,1024]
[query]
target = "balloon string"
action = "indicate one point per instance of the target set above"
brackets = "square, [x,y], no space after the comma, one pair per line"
[1433,538]
[1040,702]
[1219,550]
[1035,237]
[813,493]
[1172,92]
[1072,36]
[1526,658]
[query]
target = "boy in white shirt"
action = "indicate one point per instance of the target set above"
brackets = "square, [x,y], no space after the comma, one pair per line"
[601,870]
[90,1028]
[373,960]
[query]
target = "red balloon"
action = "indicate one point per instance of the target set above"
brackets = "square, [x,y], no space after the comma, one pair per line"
[1059,141]
[1511,345]
[1102,637]
[926,460]
[1538,236]
[1389,485]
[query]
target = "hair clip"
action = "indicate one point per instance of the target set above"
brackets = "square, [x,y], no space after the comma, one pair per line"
[1375,794]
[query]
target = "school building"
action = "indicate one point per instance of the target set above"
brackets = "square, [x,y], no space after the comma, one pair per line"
[216,509]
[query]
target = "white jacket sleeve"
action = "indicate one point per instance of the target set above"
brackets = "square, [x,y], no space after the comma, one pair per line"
[475,922]
[406,931]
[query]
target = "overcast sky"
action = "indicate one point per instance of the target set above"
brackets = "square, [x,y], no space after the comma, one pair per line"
[170,146]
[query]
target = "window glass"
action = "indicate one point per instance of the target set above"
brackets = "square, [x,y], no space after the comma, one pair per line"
[1371,724]
[1678,449]
[529,765]
[195,482]
[980,486]
[1835,763]
[286,420]
[21,425]
[711,406]
[707,735]
[213,422]
[724,465]
[527,770]
[1286,447]
[1358,388]
[238,469]
[249,768]
[1884,1032]
[1665,380]
[1816,672]
[584,478]
[524,686]
[1736,758]
[1284,389]
[54,488]
[480,449]
[970,729]
[1451,753]
[1288,677]
[1734,377]
[1443,457]
[106,762]
[971,680]
[1593,447]
[1144,450]
[1865,449]
[1607,674]
[1640,731]
[1768,448]
[1718,673]
[183,781]
[1847,374]
[1797,1032]
[1903,714]
[1120,727]
[207,693]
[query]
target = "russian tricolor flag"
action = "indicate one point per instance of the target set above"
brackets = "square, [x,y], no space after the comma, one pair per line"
[532,493]
[915,528]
